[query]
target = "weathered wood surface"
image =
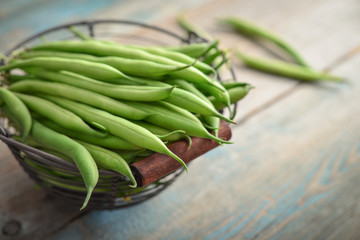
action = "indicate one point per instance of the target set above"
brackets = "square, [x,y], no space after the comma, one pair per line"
[293,170]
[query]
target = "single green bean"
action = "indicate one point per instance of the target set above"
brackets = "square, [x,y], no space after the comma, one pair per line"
[125,65]
[80,95]
[250,29]
[179,57]
[109,141]
[285,69]
[108,160]
[63,144]
[126,92]
[30,141]
[163,133]
[195,50]
[18,110]
[79,34]
[95,70]
[118,126]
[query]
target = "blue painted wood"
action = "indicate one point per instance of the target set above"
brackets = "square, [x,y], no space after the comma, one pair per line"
[29,17]
[292,173]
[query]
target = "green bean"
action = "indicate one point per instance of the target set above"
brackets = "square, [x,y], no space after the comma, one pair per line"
[238,85]
[81,95]
[63,144]
[285,69]
[90,69]
[237,91]
[109,141]
[195,50]
[30,141]
[118,126]
[57,114]
[79,34]
[179,57]
[126,92]
[98,48]
[252,30]
[18,110]
[163,133]
[125,65]
[108,160]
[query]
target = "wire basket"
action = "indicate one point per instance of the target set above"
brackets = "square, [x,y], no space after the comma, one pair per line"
[153,174]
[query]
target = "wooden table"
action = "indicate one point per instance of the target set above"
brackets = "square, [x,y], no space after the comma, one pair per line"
[294,170]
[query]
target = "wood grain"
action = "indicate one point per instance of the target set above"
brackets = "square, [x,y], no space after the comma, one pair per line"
[293,172]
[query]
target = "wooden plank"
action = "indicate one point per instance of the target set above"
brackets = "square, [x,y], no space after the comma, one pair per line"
[291,174]
[268,88]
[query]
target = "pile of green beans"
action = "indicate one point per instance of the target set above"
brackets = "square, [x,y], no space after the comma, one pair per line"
[104,105]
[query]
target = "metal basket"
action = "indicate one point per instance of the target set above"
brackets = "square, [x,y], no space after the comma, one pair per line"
[112,190]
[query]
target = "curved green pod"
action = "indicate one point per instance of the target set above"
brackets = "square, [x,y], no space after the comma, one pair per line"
[18,110]
[65,145]
[285,69]
[125,92]
[90,69]
[252,30]
[109,160]
[80,95]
